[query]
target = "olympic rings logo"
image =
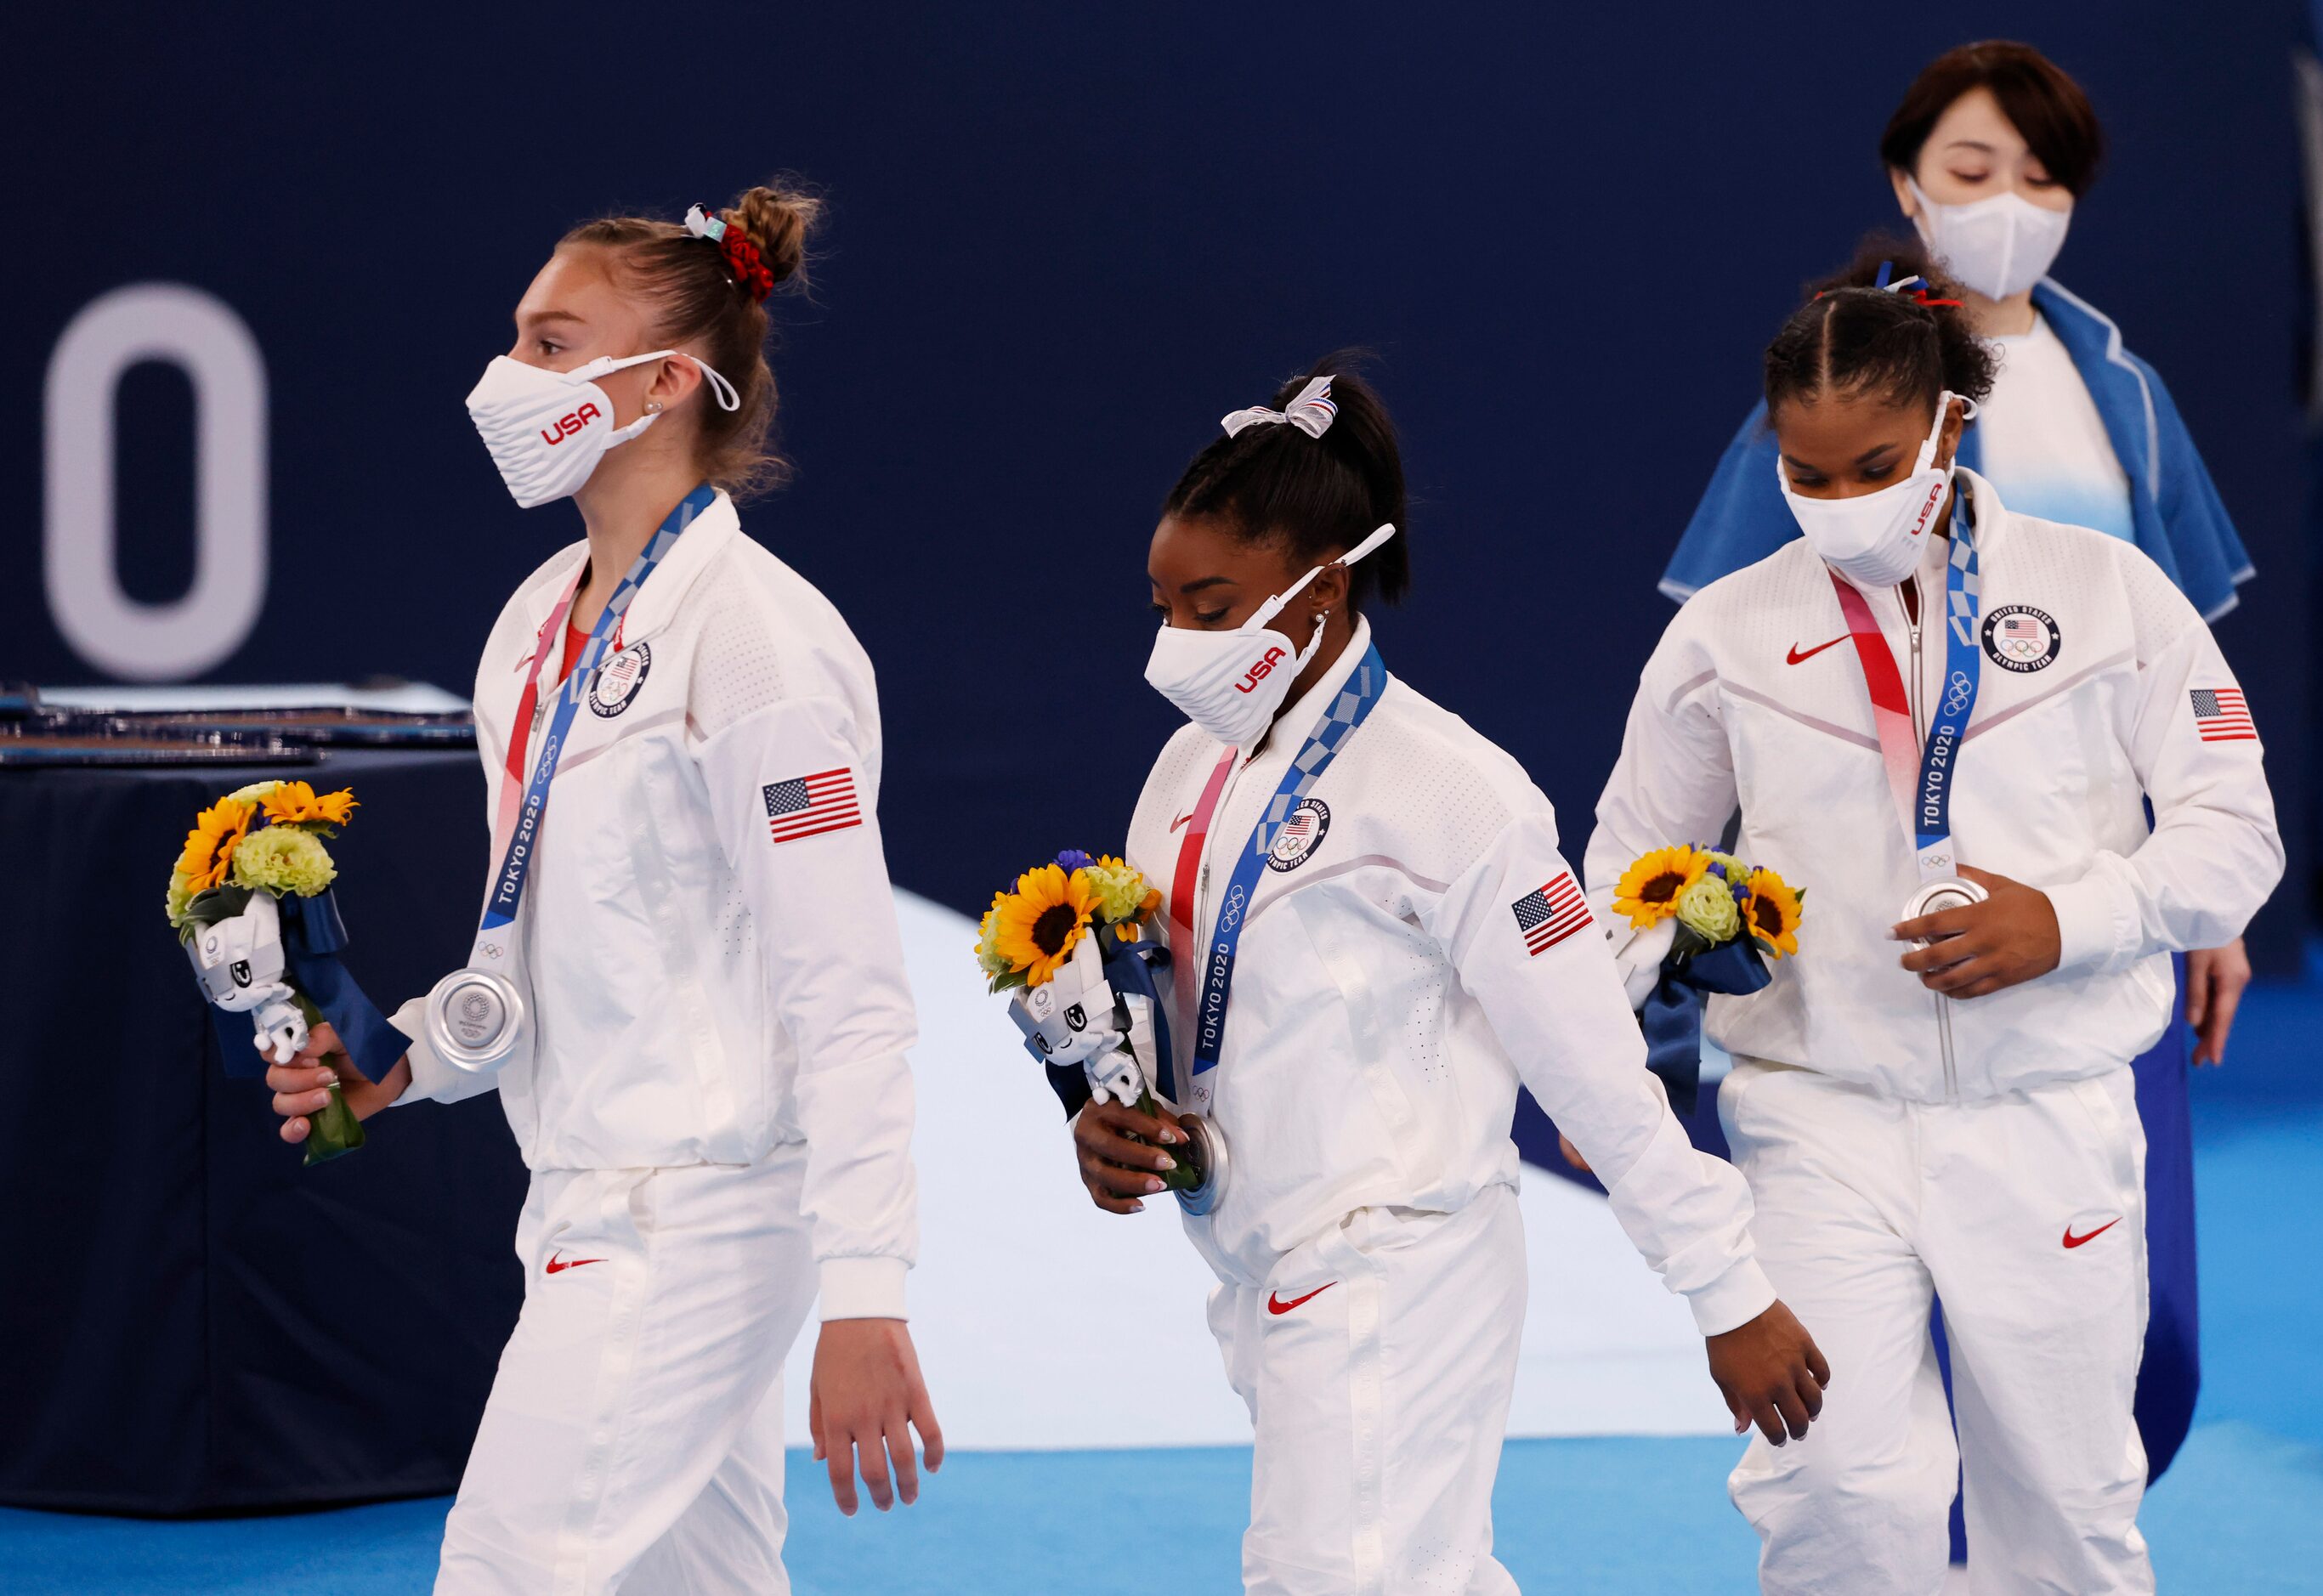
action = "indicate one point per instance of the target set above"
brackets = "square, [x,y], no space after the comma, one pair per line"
[1960,694]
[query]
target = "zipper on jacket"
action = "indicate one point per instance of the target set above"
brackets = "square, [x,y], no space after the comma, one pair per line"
[1913,614]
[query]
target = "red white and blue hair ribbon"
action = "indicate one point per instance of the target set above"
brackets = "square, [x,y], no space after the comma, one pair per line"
[1311,412]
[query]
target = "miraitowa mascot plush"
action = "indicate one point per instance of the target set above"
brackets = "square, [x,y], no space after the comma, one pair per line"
[239,962]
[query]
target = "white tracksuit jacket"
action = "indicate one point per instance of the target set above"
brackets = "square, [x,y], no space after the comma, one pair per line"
[1386,1004]
[2105,694]
[708,983]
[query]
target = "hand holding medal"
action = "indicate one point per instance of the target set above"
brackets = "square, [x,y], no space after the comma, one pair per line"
[2005,934]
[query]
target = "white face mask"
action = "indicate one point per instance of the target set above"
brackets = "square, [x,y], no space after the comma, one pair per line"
[1998,246]
[1231,685]
[547,430]
[1875,539]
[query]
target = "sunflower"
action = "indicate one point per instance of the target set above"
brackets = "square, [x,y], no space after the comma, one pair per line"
[1648,891]
[297,803]
[209,848]
[1773,914]
[1036,927]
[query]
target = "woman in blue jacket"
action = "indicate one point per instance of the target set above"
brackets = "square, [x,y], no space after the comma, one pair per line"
[1990,151]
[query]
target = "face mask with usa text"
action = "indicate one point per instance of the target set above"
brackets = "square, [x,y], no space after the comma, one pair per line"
[547,430]
[1231,684]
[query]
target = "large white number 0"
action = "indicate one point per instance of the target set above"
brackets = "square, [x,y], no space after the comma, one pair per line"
[201,335]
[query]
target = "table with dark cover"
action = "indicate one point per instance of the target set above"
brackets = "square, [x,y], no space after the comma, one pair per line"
[190,1321]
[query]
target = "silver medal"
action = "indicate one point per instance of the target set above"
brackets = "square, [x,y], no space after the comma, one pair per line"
[1948,892]
[1206,1151]
[475,1020]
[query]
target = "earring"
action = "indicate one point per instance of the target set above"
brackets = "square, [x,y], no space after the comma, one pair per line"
[653,407]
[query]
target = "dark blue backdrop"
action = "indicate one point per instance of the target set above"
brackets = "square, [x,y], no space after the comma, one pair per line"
[1062,242]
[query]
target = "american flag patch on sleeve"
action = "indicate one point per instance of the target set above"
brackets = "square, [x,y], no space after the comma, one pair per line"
[2220,716]
[810,805]
[1549,915]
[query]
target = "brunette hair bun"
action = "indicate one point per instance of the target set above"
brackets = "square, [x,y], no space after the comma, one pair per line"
[776,218]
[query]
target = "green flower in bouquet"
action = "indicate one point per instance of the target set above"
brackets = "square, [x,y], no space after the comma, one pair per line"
[255,794]
[182,894]
[1706,907]
[1122,894]
[283,859]
[993,962]
[1736,870]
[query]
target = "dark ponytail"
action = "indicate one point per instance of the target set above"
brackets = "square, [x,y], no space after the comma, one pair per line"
[1854,337]
[1314,495]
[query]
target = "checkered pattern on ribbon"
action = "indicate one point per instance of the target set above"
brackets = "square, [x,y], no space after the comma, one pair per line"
[1962,598]
[579,673]
[1346,709]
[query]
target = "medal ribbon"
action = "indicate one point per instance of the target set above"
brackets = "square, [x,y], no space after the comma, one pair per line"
[516,829]
[1921,784]
[1350,709]
[1185,884]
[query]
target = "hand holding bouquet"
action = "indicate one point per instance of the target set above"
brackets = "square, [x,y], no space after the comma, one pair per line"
[1069,943]
[1724,918]
[248,903]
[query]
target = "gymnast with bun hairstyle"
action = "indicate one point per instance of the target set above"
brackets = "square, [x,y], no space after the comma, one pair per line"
[687,983]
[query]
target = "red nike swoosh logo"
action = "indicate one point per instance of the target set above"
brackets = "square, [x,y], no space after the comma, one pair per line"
[1181,820]
[2073,1241]
[556,1263]
[1275,1304]
[1795,657]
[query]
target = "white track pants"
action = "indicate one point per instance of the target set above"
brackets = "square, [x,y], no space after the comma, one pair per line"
[1378,1361]
[2026,1214]
[634,1438]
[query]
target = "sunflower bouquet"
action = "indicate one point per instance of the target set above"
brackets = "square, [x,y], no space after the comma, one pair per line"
[249,898]
[1068,944]
[1724,918]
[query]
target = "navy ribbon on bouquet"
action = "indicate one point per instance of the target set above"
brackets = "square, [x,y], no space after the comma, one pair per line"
[1349,708]
[313,937]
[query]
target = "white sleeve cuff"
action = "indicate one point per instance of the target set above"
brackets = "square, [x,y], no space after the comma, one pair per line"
[2095,929]
[432,1079]
[1733,1299]
[862,1288]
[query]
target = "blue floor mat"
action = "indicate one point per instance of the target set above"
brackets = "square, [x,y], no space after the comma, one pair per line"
[2241,1512]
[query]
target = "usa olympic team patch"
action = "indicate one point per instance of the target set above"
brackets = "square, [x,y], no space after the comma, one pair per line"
[1302,832]
[619,678]
[2019,638]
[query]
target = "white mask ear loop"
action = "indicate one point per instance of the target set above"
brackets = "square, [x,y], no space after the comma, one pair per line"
[1969,408]
[728,399]
[1273,606]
